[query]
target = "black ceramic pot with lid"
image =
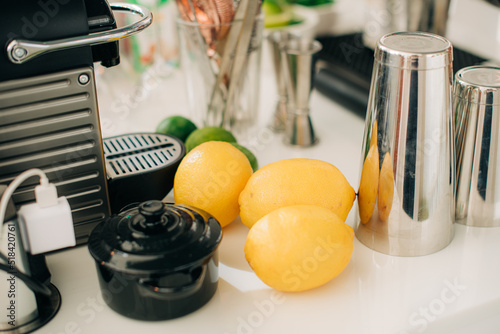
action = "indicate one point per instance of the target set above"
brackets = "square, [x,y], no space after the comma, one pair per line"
[157,261]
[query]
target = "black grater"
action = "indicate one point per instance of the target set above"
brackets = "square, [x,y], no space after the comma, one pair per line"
[140,167]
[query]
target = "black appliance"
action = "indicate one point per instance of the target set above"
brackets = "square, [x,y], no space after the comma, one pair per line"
[49,115]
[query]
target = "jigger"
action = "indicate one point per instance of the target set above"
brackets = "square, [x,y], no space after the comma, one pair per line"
[298,73]
[277,41]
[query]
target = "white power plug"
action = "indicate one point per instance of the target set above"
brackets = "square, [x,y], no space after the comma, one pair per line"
[46,225]
[45,229]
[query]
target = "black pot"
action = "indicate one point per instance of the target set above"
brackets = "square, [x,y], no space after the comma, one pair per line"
[157,261]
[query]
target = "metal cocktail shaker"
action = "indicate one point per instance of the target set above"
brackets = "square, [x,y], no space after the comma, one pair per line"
[476,106]
[406,194]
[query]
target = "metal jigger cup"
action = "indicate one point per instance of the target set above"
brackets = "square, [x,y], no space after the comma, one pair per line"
[476,104]
[405,204]
[277,41]
[298,70]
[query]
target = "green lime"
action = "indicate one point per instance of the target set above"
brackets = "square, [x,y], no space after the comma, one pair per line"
[251,157]
[276,15]
[177,126]
[312,3]
[278,20]
[209,133]
[271,8]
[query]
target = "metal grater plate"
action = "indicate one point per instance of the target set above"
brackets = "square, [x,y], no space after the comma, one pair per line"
[140,167]
[133,154]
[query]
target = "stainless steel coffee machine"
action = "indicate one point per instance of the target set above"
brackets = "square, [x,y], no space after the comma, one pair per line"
[49,115]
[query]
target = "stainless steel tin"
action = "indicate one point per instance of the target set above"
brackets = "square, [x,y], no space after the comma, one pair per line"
[406,194]
[476,106]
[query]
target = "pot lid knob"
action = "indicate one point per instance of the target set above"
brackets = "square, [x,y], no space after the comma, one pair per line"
[152,210]
[151,218]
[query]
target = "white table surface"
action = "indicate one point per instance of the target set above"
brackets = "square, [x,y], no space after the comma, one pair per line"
[456,290]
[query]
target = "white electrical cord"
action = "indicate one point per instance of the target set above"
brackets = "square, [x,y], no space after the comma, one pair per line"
[31,282]
[47,205]
[44,182]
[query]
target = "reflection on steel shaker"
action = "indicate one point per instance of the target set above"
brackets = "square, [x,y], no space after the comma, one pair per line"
[409,125]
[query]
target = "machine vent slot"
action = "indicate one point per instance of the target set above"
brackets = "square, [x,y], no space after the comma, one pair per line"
[34,89]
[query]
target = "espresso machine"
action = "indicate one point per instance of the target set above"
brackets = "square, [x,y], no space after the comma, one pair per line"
[49,115]
[49,120]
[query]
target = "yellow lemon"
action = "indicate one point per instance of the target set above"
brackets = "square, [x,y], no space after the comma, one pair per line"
[292,182]
[211,177]
[296,248]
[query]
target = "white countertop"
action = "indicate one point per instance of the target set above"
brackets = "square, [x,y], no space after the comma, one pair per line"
[453,291]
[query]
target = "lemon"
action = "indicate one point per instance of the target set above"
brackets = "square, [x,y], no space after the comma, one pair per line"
[177,126]
[296,248]
[211,177]
[208,133]
[295,181]
[251,157]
